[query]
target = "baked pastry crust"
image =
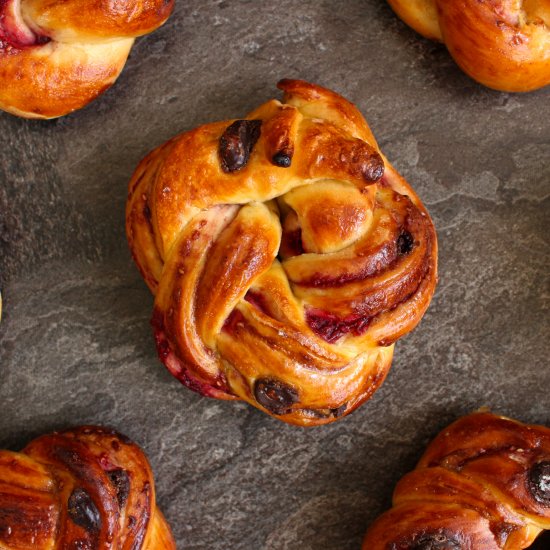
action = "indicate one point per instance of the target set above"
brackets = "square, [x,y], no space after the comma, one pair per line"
[483,483]
[503,44]
[285,253]
[85,488]
[56,57]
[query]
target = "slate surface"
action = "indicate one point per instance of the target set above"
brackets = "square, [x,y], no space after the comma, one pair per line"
[75,341]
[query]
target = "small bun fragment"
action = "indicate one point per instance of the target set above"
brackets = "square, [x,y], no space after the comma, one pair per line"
[503,44]
[483,483]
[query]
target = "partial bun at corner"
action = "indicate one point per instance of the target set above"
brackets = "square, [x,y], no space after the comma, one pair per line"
[83,488]
[482,484]
[503,44]
[56,57]
[285,253]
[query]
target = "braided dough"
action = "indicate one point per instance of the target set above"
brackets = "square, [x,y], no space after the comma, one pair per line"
[285,253]
[483,483]
[504,44]
[56,57]
[85,488]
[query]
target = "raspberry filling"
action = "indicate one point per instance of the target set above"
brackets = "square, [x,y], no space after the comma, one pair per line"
[14,32]
[180,370]
[331,327]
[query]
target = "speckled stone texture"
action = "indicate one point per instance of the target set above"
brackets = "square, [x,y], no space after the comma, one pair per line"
[76,345]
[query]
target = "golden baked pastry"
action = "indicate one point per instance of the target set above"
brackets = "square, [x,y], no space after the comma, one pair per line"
[482,484]
[56,57]
[285,253]
[503,44]
[85,488]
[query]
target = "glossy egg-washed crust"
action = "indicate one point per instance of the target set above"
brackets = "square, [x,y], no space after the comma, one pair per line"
[87,488]
[56,57]
[503,44]
[285,253]
[482,484]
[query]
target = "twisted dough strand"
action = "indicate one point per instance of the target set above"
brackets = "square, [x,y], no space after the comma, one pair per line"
[503,44]
[85,488]
[483,483]
[284,261]
[56,57]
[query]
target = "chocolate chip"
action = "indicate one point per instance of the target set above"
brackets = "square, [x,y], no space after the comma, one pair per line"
[83,511]
[276,396]
[539,482]
[119,478]
[405,243]
[237,142]
[436,541]
[373,170]
[282,159]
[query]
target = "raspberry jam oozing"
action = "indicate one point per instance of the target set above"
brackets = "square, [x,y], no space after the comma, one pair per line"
[180,370]
[15,34]
[258,300]
[331,328]
[233,322]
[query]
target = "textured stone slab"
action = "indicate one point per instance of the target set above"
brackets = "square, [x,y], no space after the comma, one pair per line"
[75,342]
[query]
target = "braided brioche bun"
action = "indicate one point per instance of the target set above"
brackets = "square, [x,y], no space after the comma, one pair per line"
[285,253]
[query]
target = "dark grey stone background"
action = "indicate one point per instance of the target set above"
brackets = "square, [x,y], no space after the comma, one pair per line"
[76,345]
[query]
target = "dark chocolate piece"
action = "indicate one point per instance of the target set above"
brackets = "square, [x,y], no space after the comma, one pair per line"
[237,142]
[276,396]
[83,511]
[282,159]
[539,482]
[405,243]
[373,170]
